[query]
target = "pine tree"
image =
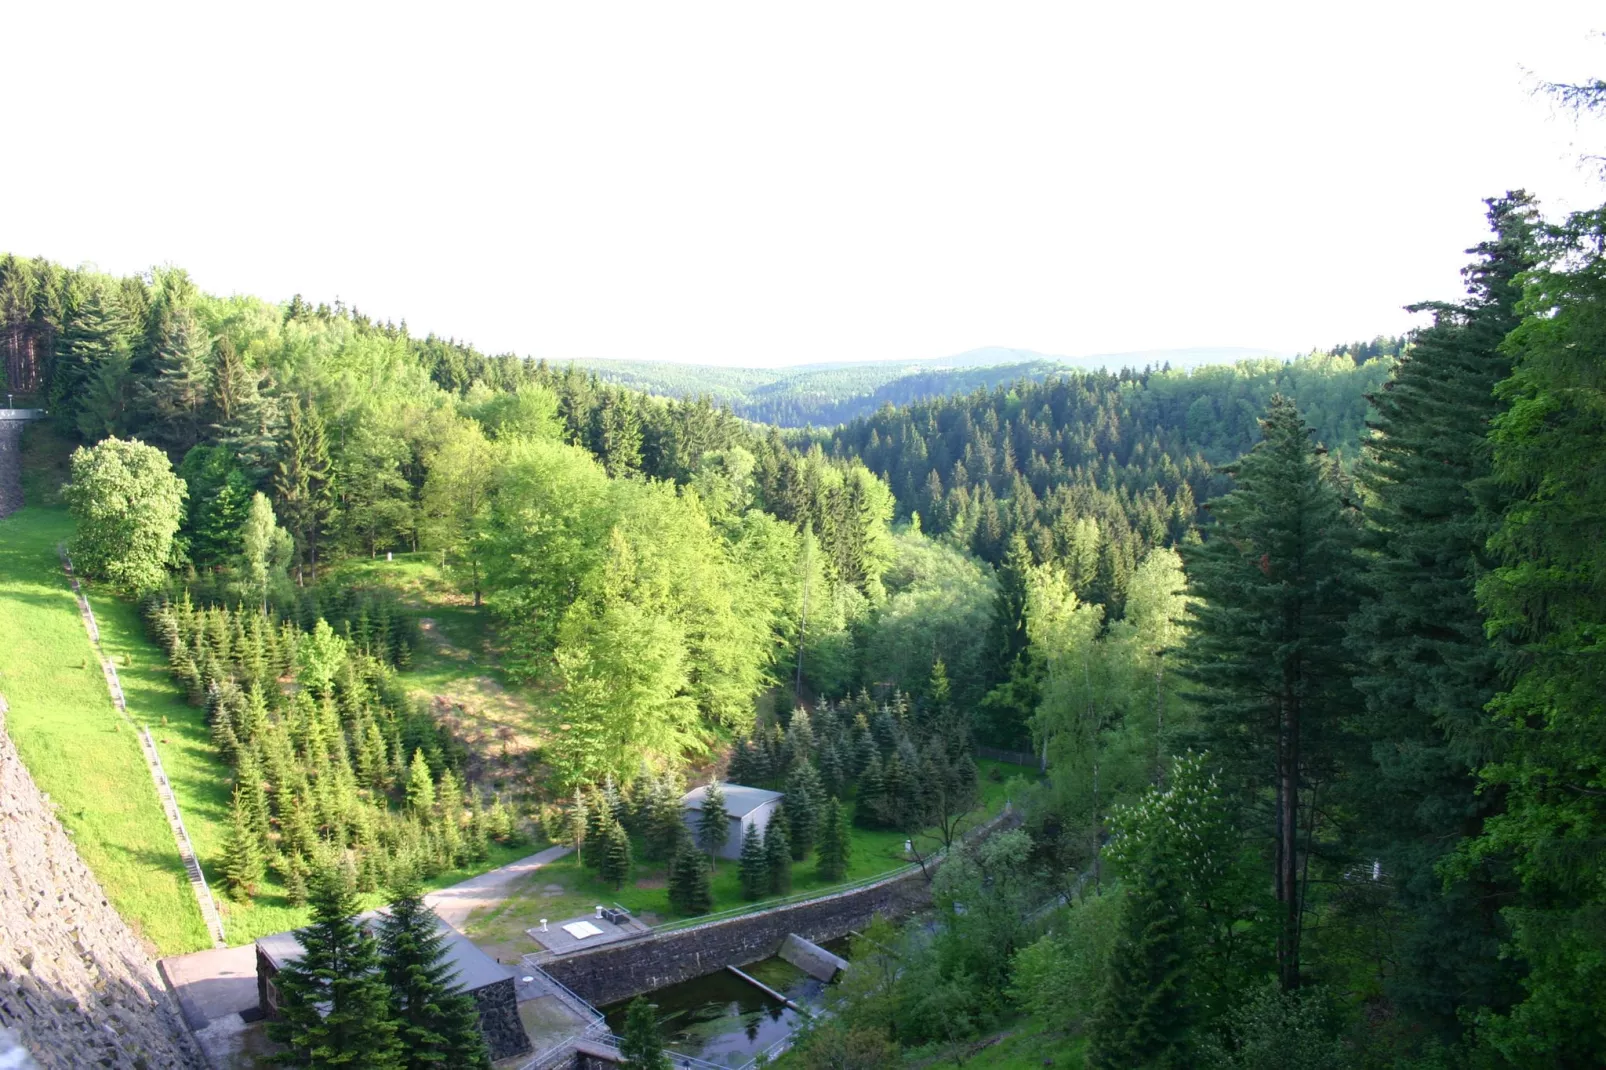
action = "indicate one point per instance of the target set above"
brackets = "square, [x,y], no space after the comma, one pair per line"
[754,868]
[248,789]
[244,864]
[640,1045]
[778,853]
[1143,1016]
[619,434]
[1429,670]
[836,843]
[302,483]
[614,865]
[96,338]
[867,804]
[662,818]
[597,817]
[690,889]
[176,396]
[1273,583]
[803,797]
[713,824]
[334,1003]
[800,737]
[437,1023]
[1546,606]
[420,785]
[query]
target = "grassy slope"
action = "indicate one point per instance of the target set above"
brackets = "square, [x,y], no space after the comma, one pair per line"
[73,743]
[566,889]
[68,733]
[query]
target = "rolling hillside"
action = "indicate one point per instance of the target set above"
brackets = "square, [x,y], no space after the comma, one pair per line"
[831,393]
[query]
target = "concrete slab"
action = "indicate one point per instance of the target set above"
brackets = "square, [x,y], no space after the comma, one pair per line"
[560,941]
[211,985]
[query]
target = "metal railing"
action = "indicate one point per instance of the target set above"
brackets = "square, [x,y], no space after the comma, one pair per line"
[561,992]
[557,1053]
[562,1053]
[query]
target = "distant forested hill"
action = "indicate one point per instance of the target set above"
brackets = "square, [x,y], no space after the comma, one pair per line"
[1094,468]
[828,394]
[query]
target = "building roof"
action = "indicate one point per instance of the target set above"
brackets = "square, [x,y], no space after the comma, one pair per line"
[739,799]
[472,968]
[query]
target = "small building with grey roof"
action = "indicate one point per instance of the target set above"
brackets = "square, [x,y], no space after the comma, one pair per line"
[745,807]
[488,981]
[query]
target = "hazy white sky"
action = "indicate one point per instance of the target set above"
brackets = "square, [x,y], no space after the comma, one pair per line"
[757,183]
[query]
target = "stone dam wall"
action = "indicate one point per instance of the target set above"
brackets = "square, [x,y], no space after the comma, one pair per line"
[76,986]
[612,972]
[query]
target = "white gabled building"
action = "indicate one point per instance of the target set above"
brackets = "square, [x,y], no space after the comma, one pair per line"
[744,806]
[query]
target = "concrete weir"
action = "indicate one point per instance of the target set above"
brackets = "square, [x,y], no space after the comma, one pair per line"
[811,958]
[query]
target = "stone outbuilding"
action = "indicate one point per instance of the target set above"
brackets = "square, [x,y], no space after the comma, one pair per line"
[488,981]
[744,807]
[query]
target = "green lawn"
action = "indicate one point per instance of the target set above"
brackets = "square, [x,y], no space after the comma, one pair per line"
[566,889]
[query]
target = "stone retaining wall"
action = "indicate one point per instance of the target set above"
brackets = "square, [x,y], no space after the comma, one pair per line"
[612,972]
[10,466]
[75,983]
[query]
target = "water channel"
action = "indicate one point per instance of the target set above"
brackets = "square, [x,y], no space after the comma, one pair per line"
[721,1019]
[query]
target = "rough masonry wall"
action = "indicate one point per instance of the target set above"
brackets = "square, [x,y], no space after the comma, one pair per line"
[617,971]
[499,1019]
[10,466]
[74,981]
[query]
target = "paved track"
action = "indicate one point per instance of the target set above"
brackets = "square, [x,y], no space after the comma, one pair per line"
[454,904]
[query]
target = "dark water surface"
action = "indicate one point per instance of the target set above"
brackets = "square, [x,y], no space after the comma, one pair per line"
[722,1019]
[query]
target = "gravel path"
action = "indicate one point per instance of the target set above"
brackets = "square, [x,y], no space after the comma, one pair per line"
[454,904]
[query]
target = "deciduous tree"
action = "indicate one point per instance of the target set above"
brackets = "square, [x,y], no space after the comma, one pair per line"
[127,504]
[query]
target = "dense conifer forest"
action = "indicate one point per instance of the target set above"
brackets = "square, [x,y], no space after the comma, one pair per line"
[1309,650]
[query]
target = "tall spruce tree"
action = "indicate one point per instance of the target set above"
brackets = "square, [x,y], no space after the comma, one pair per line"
[690,889]
[1143,1016]
[613,855]
[778,853]
[1273,583]
[836,843]
[175,393]
[754,867]
[803,798]
[713,826]
[333,1001]
[1546,603]
[437,1023]
[1427,669]
[98,336]
[302,483]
